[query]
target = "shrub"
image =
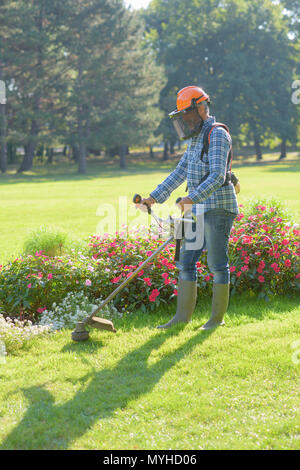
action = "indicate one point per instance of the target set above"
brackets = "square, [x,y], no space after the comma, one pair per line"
[15,333]
[74,307]
[49,241]
[264,251]
[30,285]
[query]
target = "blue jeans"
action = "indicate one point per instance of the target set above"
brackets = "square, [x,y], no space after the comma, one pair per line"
[217,227]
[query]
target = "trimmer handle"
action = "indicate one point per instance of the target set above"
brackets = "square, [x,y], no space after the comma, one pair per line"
[137,199]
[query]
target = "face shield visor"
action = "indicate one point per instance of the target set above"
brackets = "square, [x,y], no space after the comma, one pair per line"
[187,122]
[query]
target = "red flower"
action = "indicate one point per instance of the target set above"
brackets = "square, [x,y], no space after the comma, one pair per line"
[287,263]
[275,267]
[261,278]
[147,281]
[153,295]
[232,269]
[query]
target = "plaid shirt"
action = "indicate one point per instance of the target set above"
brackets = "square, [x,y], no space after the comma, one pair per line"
[209,194]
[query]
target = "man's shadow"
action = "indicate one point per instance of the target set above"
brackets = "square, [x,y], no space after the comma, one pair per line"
[49,426]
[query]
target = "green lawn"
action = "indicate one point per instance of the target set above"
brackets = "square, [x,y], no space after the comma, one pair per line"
[59,196]
[141,388]
[233,388]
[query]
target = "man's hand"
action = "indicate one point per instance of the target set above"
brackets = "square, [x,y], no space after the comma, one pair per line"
[185,204]
[237,188]
[149,201]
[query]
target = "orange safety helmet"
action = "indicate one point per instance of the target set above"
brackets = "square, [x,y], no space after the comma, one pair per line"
[186,119]
[189,96]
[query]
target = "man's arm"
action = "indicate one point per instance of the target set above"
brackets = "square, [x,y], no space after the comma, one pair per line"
[175,179]
[217,157]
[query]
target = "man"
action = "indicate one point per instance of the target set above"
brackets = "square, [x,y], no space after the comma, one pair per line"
[210,191]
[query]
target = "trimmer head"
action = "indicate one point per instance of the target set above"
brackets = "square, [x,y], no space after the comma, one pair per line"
[81,334]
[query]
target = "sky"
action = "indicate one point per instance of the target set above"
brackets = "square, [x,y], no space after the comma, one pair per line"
[137,3]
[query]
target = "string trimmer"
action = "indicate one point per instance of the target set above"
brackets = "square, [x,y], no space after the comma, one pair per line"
[176,232]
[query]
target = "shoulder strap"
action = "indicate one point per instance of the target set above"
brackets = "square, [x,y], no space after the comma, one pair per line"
[206,141]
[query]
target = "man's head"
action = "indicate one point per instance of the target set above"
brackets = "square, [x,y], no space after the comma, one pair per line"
[192,110]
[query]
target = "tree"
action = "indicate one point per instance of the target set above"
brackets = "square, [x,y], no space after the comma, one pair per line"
[236,53]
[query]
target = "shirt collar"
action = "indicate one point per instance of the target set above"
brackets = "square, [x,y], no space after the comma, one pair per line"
[208,121]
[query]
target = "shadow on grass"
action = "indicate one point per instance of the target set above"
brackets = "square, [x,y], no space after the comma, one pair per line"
[39,175]
[49,426]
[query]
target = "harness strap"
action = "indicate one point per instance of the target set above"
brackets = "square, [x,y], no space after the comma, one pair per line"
[206,143]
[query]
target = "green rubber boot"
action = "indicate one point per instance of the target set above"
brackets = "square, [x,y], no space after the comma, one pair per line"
[220,300]
[186,302]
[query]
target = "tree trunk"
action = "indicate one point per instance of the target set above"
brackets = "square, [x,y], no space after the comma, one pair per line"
[82,157]
[11,153]
[123,157]
[283,149]
[75,153]
[257,148]
[29,149]
[50,153]
[166,151]
[151,153]
[80,118]
[172,144]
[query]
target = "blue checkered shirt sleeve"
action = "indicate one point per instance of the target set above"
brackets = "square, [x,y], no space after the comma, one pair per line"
[175,179]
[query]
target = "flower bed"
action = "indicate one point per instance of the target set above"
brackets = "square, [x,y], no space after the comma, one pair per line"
[264,251]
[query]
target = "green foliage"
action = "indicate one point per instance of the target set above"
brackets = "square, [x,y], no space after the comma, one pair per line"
[46,240]
[264,249]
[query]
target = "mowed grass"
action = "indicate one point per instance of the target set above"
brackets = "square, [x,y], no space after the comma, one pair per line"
[236,387]
[102,200]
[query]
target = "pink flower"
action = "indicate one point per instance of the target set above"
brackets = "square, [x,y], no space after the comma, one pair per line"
[175,291]
[88,282]
[261,278]
[285,241]
[275,267]
[287,263]
[232,269]
[116,279]
[153,295]
[29,286]
[207,278]
[238,274]
[147,281]
[261,264]
[50,276]
[41,310]
[245,268]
